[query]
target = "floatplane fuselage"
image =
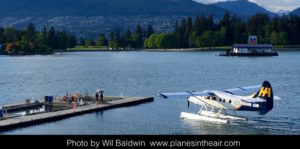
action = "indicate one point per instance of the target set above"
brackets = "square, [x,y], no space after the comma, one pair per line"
[213,104]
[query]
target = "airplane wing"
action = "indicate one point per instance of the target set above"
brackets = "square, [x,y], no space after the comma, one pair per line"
[182,94]
[234,91]
[243,90]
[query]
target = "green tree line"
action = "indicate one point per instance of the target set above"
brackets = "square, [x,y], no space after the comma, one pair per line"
[116,40]
[190,32]
[205,32]
[31,41]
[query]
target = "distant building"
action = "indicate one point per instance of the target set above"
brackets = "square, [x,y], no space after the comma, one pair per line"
[252,48]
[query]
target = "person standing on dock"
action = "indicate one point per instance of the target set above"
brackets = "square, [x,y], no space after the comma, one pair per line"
[101,95]
[97,97]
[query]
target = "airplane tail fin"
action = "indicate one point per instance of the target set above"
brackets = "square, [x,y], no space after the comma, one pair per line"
[265,92]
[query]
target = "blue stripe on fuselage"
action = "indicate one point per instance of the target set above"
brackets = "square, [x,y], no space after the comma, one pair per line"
[262,106]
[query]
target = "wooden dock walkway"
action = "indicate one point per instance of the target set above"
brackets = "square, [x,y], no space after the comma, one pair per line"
[22,121]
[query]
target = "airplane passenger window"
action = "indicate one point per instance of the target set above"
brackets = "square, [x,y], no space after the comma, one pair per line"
[229,101]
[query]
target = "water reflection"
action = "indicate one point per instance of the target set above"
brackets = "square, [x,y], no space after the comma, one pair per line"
[30,111]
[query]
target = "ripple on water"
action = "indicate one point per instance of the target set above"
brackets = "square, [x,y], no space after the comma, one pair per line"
[148,73]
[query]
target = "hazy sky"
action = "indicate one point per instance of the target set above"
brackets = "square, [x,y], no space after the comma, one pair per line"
[272,5]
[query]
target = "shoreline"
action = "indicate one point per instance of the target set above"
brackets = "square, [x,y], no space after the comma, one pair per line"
[221,49]
[209,49]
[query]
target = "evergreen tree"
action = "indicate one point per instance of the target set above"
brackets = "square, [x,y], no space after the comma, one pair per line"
[112,36]
[138,37]
[210,23]
[189,25]
[127,38]
[90,42]
[11,35]
[102,41]
[200,25]
[283,38]
[150,31]
[81,41]
[256,26]
[183,26]
[226,22]
[273,38]
[176,28]
[52,42]
[118,41]
[72,42]
[44,36]
[183,36]
[62,40]
[30,33]
[2,40]
[112,40]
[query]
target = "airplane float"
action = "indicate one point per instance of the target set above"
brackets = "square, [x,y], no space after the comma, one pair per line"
[213,104]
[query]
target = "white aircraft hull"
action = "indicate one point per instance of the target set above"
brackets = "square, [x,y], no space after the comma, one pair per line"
[210,117]
[221,116]
[202,118]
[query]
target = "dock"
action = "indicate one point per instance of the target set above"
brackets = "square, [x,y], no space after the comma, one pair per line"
[60,109]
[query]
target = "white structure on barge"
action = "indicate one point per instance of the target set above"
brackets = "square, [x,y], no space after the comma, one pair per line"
[252,48]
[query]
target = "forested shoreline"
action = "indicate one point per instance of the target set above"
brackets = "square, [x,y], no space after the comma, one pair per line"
[30,41]
[205,32]
[197,32]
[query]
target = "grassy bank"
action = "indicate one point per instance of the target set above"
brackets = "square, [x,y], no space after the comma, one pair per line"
[97,48]
[105,48]
[287,48]
[88,48]
[220,48]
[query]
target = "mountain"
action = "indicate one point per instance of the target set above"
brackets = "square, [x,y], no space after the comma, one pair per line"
[90,18]
[50,8]
[283,12]
[296,11]
[243,7]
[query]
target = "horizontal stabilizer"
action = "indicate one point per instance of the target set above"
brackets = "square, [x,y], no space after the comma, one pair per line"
[277,98]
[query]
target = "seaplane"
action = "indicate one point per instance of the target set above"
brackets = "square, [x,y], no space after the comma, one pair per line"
[214,104]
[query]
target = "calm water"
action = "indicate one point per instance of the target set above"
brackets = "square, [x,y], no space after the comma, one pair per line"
[148,73]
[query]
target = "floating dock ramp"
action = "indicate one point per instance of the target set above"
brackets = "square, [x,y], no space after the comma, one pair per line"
[62,109]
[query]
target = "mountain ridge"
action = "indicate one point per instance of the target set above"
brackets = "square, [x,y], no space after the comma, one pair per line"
[296,11]
[50,8]
[248,8]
